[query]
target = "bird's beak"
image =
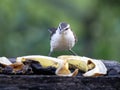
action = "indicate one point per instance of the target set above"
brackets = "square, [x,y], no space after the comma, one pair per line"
[63,30]
[60,31]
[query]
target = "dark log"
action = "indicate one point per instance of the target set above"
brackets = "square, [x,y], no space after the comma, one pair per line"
[113,67]
[38,82]
[111,81]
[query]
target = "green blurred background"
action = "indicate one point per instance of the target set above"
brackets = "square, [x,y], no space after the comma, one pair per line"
[24,26]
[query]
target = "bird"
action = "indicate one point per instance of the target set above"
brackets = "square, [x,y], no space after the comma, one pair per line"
[62,38]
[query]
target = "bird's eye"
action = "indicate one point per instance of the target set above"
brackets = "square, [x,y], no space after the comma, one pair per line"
[59,28]
[66,28]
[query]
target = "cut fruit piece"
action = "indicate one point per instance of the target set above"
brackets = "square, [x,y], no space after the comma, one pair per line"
[45,61]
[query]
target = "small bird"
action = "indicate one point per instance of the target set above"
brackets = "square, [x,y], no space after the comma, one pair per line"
[62,38]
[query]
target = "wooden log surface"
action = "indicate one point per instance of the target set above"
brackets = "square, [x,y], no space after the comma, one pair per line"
[39,82]
[53,82]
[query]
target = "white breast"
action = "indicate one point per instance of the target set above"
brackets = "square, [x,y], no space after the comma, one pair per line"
[64,41]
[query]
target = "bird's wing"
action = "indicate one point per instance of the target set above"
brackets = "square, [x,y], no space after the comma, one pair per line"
[75,37]
[52,31]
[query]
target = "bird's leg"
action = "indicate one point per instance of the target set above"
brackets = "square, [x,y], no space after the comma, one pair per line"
[50,53]
[72,52]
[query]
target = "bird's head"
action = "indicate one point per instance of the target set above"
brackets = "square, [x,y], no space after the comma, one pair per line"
[63,27]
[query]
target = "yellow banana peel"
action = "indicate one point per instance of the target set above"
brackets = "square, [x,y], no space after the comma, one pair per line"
[91,67]
[5,61]
[45,61]
[75,62]
[63,70]
[98,70]
[62,66]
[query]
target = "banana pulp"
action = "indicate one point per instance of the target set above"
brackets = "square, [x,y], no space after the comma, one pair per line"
[44,61]
[91,67]
[62,66]
[77,62]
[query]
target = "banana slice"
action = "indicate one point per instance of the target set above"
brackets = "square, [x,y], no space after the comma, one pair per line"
[45,61]
[17,66]
[5,61]
[91,67]
[62,67]
[98,70]
[75,62]
[63,70]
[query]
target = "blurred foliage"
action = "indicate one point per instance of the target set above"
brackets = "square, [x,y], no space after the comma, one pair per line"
[24,26]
